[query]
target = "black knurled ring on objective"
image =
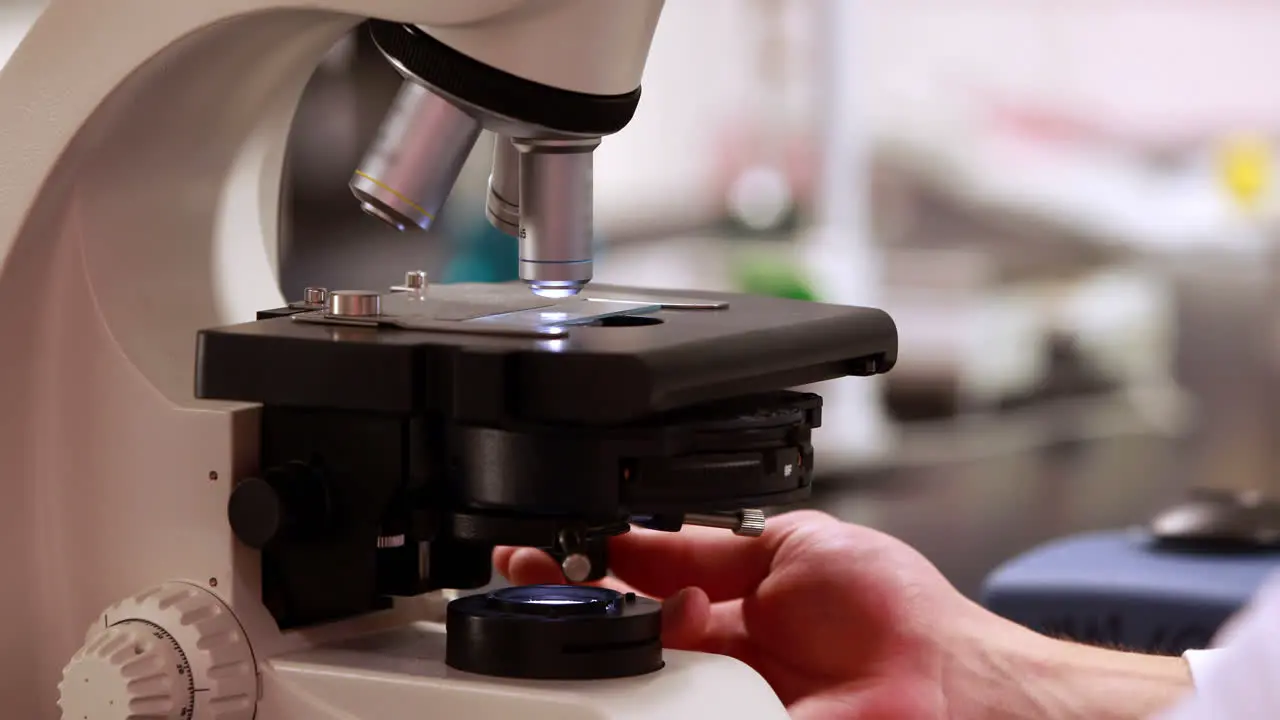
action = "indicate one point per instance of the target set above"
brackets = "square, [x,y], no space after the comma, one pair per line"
[452,72]
[554,632]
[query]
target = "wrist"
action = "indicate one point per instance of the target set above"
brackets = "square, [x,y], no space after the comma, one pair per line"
[1025,675]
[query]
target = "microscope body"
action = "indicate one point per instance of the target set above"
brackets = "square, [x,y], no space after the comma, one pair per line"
[142,152]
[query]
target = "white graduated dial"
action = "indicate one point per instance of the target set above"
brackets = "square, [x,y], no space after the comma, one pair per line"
[174,652]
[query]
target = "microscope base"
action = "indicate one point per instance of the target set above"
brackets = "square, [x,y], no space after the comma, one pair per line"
[401,675]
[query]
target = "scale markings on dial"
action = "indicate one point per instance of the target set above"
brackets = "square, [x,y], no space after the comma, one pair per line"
[183,667]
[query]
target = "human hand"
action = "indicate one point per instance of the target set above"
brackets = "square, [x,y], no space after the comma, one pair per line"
[846,623]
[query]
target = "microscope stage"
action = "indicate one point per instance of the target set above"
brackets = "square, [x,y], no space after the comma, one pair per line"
[421,428]
[489,353]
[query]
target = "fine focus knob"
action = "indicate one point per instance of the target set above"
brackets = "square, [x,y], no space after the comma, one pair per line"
[174,652]
[291,501]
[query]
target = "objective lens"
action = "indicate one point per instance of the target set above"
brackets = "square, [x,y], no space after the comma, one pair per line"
[556,221]
[414,162]
[555,290]
[503,206]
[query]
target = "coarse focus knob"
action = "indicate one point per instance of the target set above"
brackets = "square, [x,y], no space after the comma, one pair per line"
[131,670]
[174,652]
[291,501]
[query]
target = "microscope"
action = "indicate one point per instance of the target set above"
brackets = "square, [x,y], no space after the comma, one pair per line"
[223,504]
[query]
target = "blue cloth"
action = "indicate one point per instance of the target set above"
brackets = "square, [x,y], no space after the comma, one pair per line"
[1120,589]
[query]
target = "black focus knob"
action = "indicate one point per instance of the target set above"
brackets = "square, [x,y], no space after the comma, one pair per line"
[290,502]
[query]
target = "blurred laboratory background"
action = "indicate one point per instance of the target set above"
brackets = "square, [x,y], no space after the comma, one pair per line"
[1067,207]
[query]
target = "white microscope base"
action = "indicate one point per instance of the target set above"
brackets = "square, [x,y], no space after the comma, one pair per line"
[401,675]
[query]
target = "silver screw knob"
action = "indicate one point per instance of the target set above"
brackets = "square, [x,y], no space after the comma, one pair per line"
[389,542]
[748,523]
[315,295]
[576,567]
[415,280]
[355,303]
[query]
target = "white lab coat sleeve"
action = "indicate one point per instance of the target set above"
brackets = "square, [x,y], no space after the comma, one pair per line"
[1239,678]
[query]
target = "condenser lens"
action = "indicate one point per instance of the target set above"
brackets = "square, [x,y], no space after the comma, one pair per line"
[556,599]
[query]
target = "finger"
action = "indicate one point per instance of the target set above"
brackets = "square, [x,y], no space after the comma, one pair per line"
[686,616]
[530,566]
[685,619]
[502,560]
[724,565]
[690,621]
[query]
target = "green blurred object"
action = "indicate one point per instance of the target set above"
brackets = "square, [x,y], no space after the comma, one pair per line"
[773,277]
[483,254]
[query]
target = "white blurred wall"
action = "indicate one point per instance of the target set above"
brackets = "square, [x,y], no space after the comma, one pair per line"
[1147,69]
[1142,66]
[16,17]
[694,80]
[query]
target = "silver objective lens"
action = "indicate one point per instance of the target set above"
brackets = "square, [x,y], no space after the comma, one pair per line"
[503,206]
[413,163]
[556,215]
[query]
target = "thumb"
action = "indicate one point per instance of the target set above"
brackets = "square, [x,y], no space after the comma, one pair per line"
[686,617]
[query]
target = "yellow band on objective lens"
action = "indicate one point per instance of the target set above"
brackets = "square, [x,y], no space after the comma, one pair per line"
[393,191]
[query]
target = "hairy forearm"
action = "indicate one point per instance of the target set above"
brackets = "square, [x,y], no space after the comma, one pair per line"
[1020,675]
[1069,681]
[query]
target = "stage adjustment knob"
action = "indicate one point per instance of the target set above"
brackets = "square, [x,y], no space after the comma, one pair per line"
[292,501]
[174,652]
